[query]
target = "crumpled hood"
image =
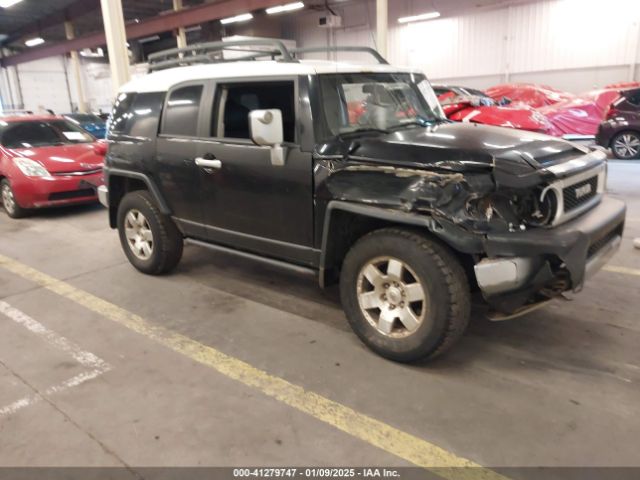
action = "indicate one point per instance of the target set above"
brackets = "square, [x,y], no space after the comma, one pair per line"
[456,146]
[75,157]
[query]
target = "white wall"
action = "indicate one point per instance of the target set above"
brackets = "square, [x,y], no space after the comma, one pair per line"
[44,83]
[575,45]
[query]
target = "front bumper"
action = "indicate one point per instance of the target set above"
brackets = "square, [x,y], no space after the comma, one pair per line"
[54,190]
[103,195]
[521,264]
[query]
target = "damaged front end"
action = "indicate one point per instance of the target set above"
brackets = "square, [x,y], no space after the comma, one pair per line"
[533,220]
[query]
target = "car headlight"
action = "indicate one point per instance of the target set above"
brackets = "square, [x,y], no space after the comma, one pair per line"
[30,168]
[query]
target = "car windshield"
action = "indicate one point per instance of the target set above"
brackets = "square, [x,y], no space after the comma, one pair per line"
[43,133]
[377,101]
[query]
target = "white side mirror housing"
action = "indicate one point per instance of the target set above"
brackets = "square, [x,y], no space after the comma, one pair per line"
[267,131]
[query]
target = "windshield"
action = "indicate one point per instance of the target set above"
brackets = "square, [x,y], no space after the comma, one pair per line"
[377,101]
[29,134]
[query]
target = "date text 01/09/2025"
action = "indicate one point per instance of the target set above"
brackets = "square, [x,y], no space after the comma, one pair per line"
[315,473]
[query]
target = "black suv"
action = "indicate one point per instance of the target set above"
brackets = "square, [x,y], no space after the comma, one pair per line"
[354,173]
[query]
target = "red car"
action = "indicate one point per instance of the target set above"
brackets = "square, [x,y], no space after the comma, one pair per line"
[530,94]
[468,105]
[583,114]
[47,161]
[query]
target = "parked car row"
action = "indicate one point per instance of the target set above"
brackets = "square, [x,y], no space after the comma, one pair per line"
[608,115]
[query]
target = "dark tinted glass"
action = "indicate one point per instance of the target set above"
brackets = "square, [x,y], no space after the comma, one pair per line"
[136,114]
[120,113]
[183,106]
[633,97]
[42,133]
[145,115]
[241,99]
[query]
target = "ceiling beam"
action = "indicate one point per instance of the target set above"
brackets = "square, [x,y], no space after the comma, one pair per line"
[186,17]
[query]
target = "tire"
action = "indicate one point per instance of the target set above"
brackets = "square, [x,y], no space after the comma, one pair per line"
[9,202]
[626,145]
[443,314]
[137,216]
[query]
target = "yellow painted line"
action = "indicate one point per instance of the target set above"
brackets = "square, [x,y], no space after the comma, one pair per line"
[624,270]
[374,432]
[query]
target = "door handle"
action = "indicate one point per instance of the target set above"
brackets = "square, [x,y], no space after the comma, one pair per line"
[207,163]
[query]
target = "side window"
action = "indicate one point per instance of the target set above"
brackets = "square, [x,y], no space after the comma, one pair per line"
[183,106]
[634,98]
[234,102]
[136,114]
[121,113]
[145,115]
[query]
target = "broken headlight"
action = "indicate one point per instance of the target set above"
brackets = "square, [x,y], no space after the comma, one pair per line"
[537,208]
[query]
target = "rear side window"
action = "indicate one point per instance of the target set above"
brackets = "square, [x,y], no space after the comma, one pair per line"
[136,114]
[120,113]
[634,97]
[234,102]
[183,106]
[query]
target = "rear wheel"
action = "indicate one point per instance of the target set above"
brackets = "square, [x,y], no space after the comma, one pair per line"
[9,201]
[626,145]
[405,295]
[152,242]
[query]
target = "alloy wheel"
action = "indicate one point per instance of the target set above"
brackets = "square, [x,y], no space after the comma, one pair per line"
[138,234]
[627,145]
[8,200]
[391,297]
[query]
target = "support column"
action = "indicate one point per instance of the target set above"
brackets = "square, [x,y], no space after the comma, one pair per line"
[382,25]
[75,66]
[181,37]
[116,42]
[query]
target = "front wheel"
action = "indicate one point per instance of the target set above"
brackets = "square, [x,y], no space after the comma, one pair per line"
[626,145]
[152,242]
[406,296]
[9,202]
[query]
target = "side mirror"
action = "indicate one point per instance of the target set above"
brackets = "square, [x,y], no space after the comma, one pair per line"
[100,148]
[267,131]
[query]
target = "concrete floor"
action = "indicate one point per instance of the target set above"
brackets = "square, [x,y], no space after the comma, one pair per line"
[559,387]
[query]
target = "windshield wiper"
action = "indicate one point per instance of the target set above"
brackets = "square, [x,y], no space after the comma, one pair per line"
[359,131]
[418,122]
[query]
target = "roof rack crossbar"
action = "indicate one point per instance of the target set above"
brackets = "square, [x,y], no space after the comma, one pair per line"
[374,53]
[212,52]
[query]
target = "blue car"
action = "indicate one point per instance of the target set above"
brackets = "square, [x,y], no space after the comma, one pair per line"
[89,122]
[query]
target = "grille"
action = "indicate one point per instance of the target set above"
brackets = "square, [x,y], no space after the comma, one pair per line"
[579,193]
[85,192]
[596,246]
[79,173]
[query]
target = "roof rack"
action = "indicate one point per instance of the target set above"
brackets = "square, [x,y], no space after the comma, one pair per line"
[374,53]
[212,52]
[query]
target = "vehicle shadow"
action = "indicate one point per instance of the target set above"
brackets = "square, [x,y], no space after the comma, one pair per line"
[66,211]
[542,340]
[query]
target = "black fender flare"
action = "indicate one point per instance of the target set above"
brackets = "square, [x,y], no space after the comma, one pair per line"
[148,181]
[453,235]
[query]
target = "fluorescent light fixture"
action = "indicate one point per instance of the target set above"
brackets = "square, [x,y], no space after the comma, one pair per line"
[8,3]
[152,38]
[238,18]
[419,18]
[285,8]
[32,42]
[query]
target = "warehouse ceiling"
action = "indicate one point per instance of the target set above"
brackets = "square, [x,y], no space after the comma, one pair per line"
[45,18]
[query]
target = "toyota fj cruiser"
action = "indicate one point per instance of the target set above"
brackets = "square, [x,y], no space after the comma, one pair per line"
[354,173]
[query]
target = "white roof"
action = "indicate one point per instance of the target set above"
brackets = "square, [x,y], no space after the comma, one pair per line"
[163,80]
